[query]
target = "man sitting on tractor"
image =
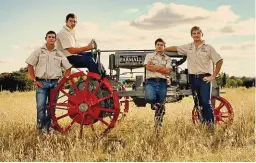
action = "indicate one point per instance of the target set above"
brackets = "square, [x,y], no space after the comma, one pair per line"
[77,55]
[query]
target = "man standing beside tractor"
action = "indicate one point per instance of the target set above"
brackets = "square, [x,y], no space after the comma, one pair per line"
[158,66]
[199,59]
[44,68]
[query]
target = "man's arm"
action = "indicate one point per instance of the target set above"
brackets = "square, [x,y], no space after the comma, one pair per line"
[218,67]
[67,72]
[182,49]
[216,58]
[67,44]
[171,49]
[31,74]
[157,68]
[73,50]
[164,70]
[153,68]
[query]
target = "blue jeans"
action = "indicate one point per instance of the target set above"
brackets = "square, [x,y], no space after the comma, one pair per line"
[155,91]
[201,92]
[42,99]
[84,60]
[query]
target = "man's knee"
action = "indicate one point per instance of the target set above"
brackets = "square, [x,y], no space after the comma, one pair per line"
[206,104]
[150,100]
[149,97]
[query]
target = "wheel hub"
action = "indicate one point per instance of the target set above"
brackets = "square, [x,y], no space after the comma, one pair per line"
[83,107]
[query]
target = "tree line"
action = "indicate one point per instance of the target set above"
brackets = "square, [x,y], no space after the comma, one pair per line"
[20,81]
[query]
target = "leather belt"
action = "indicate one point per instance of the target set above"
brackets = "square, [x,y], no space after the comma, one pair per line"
[47,80]
[199,75]
[157,79]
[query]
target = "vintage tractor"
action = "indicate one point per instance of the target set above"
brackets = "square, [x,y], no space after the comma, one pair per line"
[88,99]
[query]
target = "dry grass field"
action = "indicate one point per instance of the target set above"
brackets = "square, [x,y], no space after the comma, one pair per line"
[133,139]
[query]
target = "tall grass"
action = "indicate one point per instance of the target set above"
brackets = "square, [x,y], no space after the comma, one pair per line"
[133,139]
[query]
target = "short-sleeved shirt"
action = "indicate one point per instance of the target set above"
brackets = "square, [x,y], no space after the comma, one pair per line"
[199,60]
[47,63]
[157,60]
[66,39]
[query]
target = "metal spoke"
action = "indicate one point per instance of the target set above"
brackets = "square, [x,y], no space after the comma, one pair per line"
[97,88]
[61,108]
[69,126]
[65,93]
[104,98]
[61,97]
[107,110]
[74,85]
[100,119]
[220,106]
[63,116]
[60,104]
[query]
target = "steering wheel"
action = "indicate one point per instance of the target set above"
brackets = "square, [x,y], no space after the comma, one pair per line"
[181,61]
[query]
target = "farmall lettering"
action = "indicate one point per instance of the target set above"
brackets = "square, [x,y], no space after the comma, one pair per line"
[131,59]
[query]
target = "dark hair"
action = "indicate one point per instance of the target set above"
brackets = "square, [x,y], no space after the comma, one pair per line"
[159,40]
[50,32]
[70,15]
[194,29]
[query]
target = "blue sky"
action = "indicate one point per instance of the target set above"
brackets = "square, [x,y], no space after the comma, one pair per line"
[228,26]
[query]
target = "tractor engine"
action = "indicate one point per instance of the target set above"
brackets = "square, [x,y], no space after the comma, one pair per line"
[134,60]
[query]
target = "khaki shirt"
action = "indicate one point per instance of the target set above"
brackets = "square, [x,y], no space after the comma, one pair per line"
[66,39]
[200,59]
[47,63]
[157,60]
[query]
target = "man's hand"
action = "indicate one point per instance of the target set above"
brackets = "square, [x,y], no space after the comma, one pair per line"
[38,84]
[150,63]
[67,73]
[208,79]
[151,67]
[90,46]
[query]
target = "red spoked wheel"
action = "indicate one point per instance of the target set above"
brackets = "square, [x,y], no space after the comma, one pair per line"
[223,112]
[85,99]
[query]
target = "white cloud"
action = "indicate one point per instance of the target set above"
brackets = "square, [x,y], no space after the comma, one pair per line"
[132,10]
[171,15]
[219,22]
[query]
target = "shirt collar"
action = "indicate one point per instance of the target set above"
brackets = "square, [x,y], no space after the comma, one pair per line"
[45,48]
[203,43]
[68,29]
[163,55]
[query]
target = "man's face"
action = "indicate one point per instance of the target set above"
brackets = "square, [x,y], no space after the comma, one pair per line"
[50,39]
[196,35]
[160,47]
[71,23]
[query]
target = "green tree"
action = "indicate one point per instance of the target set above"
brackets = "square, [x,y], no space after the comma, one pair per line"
[239,82]
[224,80]
[231,83]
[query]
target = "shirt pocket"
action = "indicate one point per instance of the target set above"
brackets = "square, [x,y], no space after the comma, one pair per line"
[204,56]
[42,60]
[56,61]
[164,62]
[154,61]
